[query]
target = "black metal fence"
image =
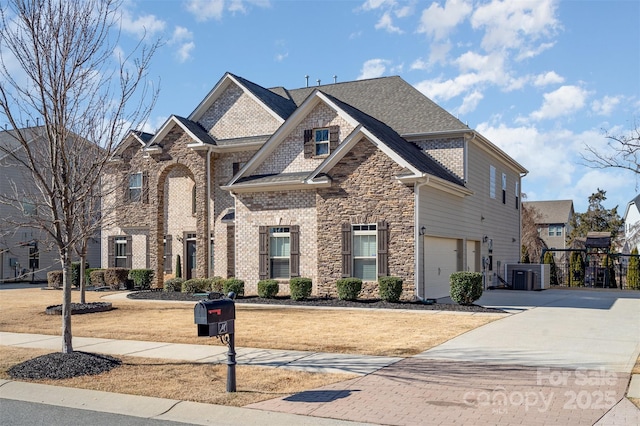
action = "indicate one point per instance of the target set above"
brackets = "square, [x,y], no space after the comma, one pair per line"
[595,274]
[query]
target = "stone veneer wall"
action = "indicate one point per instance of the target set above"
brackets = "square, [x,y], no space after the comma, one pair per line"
[447,152]
[289,156]
[365,190]
[236,114]
[274,209]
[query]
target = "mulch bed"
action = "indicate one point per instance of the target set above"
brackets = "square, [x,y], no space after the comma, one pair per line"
[316,301]
[58,365]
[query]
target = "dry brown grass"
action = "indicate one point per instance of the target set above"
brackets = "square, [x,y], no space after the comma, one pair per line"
[183,381]
[356,331]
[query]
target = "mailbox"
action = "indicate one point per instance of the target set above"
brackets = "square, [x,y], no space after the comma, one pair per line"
[214,317]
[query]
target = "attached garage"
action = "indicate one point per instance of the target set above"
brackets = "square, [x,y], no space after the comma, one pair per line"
[440,261]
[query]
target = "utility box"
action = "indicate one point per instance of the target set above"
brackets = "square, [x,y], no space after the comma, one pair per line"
[214,317]
[522,279]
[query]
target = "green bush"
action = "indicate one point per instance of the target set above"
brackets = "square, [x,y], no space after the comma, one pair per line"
[300,288]
[96,277]
[54,279]
[178,267]
[576,267]
[173,284]
[390,288]
[349,288]
[142,278]
[233,285]
[116,278]
[196,285]
[87,275]
[216,284]
[553,272]
[75,274]
[466,287]
[633,273]
[268,289]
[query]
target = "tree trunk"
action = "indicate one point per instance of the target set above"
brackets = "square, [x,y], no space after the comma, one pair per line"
[83,263]
[67,345]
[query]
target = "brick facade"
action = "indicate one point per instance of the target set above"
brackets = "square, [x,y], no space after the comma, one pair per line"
[447,152]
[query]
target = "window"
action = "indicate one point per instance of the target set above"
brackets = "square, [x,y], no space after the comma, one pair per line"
[365,248]
[279,252]
[555,230]
[321,138]
[492,182]
[34,256]
[504,188]
[517,195]
[121,252]
[168,259]
[135,187]
[28,208]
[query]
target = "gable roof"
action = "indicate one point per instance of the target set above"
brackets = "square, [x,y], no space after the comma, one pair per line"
[636,202]
[554,211]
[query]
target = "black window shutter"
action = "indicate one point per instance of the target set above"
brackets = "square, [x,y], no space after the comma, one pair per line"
[346,250]
[145,187]
[309,145]
[294,250]
[383,249]
[168,260]
[334,131]
[111,261]
[263,268]
[308,135]
[129,251]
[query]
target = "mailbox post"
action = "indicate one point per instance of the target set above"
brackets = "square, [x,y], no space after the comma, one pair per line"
[215,318]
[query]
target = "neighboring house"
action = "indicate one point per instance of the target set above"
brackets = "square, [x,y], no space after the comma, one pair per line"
[632,226]
[554,223]
[26,252]
[365,178]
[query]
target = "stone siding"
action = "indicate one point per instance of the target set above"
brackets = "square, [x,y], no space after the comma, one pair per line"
[448,152]
[365,190]
[235,114]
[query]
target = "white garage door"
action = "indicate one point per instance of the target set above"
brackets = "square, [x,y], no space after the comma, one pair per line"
[440,261]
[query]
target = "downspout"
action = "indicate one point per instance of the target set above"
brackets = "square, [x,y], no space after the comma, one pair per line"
[209,225]
[419,248]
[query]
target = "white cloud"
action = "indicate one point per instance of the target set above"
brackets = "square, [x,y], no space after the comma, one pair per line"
[386,23]
[281,56]
[605,105]
[437,22]
[419,64]
[147,25]
[204,10]
[184,51]
[183,38]
[564,101]
[516,25]
[376,4]
[470,102]
[548,78]
[373,68]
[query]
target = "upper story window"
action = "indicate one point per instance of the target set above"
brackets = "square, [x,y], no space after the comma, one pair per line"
[321,138]
[28,207]
[492,182]
[135,187]
[555,230]
[517,195]
[504,188]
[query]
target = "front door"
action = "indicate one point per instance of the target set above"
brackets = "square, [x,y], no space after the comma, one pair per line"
[191,259]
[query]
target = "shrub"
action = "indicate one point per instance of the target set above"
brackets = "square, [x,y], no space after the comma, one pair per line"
[173,284]
[466,287]
[196,285]
[116,277]
[75,274]
[178,267]
[268,288]
[233,285]
[524,255]
[87,275]
[607,264]
[142,278]
[576,266]
[553,270]
[96,277]
[633,273]
[349,288]
[390,288]
[54,279]
[216,284]
[300,288]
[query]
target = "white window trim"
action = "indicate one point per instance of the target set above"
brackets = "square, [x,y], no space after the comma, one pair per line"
[323,142]
[372,230]
[120,242]
[133,188]
[280,232]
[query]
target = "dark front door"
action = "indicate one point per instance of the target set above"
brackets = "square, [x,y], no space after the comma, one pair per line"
[191,259]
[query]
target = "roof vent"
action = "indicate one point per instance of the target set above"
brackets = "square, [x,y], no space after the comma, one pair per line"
[318,80]
[306,78]
[335,79]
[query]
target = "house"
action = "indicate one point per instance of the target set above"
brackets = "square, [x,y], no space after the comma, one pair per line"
[365,178]
[632,225]
[27,253]
[554,222]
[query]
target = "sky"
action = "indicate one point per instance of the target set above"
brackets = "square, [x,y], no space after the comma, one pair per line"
[541,79]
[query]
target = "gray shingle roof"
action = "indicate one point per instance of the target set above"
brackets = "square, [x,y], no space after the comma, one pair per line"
[281,105]
[552,212]
[390,100]
[408,151]
[197,130]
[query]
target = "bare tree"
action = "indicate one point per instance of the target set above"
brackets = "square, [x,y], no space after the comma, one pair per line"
[531,241]
[623,152]
[58,70]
